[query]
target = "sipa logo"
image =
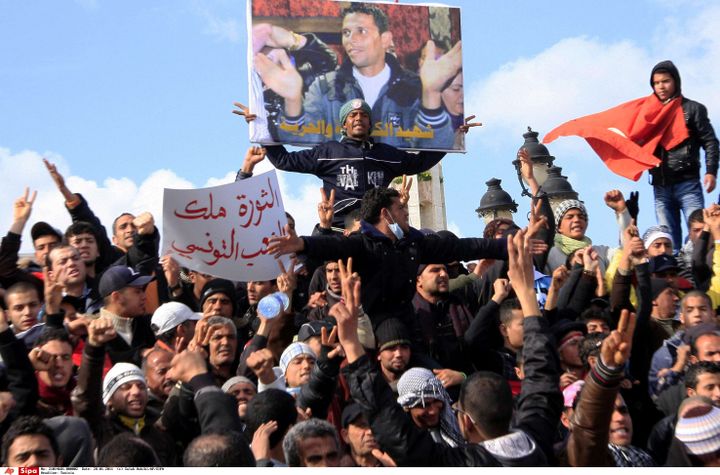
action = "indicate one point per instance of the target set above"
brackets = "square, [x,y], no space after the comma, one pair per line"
[28,471]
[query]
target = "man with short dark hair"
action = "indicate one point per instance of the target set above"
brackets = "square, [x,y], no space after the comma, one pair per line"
[23,305]
[83,237]
[272,405]
[127,450]
[52,360]
[669,361]
[219,450]
[441,320]
[701,379]
[123,231]
[312,443]
[676,181]
[66,267]
[29,442]
[387,253]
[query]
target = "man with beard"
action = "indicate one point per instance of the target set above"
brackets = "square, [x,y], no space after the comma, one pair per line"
[393,350]
[155,368]
[591,428]
[442,319]
[243,390]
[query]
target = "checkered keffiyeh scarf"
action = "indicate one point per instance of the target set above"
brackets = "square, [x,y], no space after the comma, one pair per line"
[416,386]
[629,456]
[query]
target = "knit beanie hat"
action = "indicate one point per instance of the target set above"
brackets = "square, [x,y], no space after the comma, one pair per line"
[566,206]
[293,351]
[352,105]
[236,380]
[118,375]
[699,430]
[219,286]
[391,332]
[654,233]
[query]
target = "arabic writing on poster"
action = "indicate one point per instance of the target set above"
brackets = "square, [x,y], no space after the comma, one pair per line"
[224,230]
[380,129]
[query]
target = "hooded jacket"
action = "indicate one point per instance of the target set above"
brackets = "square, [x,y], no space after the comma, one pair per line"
[683,162]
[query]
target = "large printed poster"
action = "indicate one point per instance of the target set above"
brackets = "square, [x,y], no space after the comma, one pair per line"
[308,57]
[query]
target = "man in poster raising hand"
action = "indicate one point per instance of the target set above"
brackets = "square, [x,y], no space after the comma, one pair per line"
[398,98]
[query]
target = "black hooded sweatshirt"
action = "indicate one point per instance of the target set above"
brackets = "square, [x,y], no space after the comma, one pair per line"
[682,163]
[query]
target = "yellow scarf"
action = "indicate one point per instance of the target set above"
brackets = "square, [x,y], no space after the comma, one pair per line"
[569,245]
[135,425]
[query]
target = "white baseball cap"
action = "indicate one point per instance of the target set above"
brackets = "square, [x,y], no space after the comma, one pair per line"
[171,314]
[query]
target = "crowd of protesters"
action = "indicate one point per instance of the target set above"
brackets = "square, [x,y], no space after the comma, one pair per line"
[392,352]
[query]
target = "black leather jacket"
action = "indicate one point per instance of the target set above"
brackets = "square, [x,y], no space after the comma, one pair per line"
[683,162]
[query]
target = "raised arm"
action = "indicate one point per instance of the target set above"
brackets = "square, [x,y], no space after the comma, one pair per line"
[540,401]
[588,443]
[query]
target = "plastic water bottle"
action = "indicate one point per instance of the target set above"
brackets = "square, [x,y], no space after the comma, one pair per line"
[271,305]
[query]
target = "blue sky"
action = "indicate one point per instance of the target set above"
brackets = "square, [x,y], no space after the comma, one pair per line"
[130,97]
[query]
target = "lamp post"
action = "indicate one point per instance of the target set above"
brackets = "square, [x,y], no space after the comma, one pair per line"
[496,202]
[540,157]
[558,188]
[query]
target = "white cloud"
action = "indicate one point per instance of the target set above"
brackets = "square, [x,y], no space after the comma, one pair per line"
[117,195]
[454,228]
[223,29]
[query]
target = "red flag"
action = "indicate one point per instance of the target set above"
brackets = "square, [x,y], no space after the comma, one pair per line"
[626,136]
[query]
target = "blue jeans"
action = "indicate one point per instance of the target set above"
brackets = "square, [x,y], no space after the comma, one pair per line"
[669,200]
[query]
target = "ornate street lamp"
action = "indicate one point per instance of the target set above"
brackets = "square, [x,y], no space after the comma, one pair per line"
[540,157]
[496,202]
[557,186]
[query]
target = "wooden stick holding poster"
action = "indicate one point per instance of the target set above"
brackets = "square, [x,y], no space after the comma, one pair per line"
[223,230]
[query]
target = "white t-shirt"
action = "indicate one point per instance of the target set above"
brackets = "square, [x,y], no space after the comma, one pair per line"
[371,85]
